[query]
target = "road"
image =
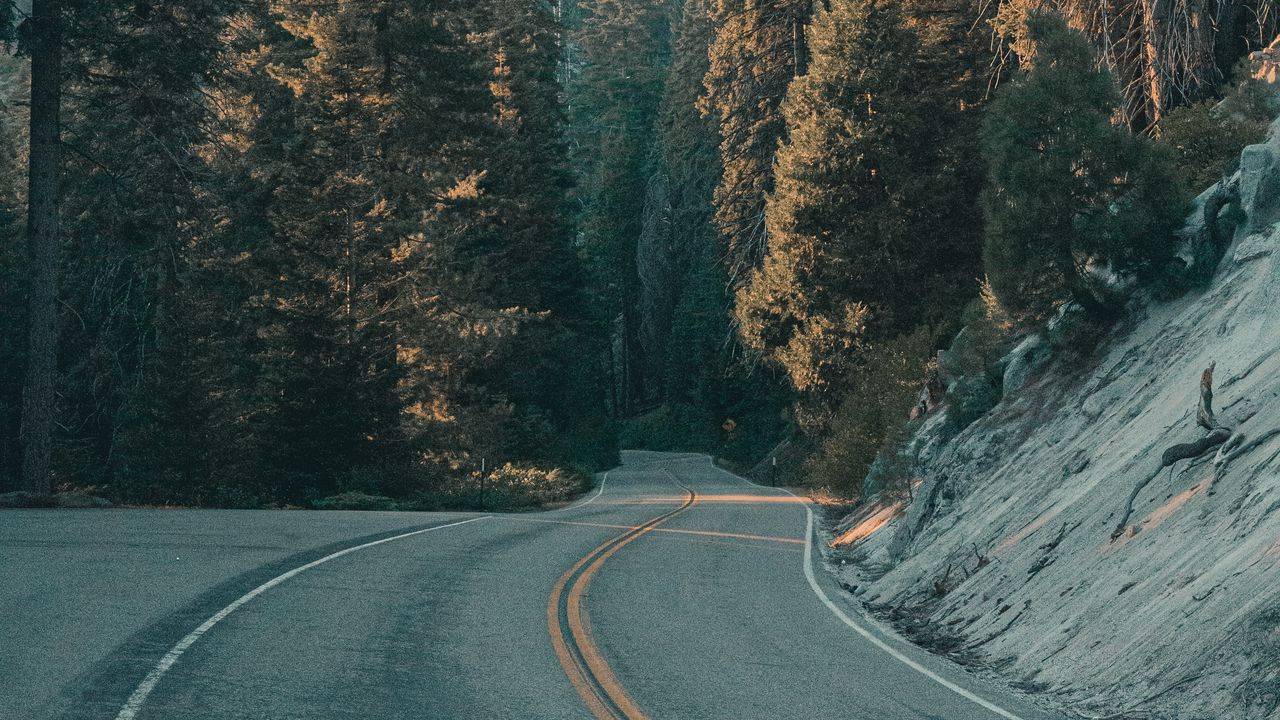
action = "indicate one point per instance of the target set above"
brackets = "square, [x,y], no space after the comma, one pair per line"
[675,591]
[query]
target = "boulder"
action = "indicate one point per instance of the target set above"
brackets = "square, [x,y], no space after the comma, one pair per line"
[950,368]
[1260,182]
[1023,360]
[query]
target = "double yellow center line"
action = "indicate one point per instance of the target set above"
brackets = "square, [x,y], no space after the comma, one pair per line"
[571,628]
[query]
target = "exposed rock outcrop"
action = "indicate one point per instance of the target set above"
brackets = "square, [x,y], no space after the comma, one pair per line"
[1178,621]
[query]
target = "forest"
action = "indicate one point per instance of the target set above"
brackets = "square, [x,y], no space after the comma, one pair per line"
[457,253]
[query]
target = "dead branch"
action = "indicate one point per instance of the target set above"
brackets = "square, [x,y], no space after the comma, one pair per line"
[1217,435]
[940,586]
[983,560]
[1226,453]
[1204,413]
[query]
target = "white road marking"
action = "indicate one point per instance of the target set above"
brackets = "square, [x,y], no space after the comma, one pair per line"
[589,500]
[867,634]
[139,697]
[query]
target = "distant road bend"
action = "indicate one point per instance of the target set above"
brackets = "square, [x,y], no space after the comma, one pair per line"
[674,591]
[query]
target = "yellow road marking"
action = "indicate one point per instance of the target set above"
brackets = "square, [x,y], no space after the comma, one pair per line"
[595,682]
[707,533]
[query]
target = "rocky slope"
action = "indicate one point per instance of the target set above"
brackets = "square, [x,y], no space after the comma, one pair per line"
[1005,558]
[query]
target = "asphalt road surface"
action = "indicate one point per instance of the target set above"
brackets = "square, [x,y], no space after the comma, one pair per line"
[674,591]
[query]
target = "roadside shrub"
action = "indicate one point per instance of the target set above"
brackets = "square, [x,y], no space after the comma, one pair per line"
[513,487]
[352,500]
[364,480]
[24,499]
[989,332]
[1075,336]
[237,497]
[894,471]
[873,414]
[681,427]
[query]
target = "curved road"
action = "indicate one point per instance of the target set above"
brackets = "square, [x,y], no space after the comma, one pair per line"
[676,591]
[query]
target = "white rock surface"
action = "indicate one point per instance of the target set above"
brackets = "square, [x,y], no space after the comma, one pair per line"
[1181,620]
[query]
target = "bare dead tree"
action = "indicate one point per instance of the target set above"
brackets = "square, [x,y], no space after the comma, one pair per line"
[1217,434]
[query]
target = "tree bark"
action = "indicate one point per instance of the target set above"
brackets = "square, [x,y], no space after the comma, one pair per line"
[44,176]
[1154,20]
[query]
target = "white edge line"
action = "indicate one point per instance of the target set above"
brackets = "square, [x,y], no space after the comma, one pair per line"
[135,702]
[589,500]
[868,635]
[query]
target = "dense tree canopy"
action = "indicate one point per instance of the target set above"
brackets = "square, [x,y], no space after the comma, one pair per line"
[277,252]
[1070,192]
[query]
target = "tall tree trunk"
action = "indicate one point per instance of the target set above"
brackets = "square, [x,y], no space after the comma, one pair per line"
[42,234]
[1154,25]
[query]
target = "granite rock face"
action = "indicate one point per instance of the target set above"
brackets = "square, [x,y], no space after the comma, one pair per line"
[1184,611]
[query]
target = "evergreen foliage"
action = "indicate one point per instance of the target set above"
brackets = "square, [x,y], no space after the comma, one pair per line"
[1070,192]
[759,47]
[1209,135]
[342,253]
[842,259]
[872,419]
[319,247]
[625,46]
[695,374]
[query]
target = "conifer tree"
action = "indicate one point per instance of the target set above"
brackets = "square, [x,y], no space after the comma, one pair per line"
[134,118]
[527,258]
[1069,190]
[624,46]
[12,276]
[843,257]
[758,49]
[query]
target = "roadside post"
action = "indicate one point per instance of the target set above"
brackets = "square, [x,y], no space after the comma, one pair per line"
[482,471]
[773,472]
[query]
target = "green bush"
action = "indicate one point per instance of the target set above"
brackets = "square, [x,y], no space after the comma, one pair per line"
[352,500]
[873,414]
[514,487]
[24,499]
[1075,336]
[1209,136]
[679,427]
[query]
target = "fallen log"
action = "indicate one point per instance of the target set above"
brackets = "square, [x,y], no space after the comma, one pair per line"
[1186,451]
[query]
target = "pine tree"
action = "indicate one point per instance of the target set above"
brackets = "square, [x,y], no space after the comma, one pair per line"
[952,72]
[134,123]
[758,49]
[690,165]
[526,256]
[843,258]
[1070,191]
[13,281]
[625,47]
